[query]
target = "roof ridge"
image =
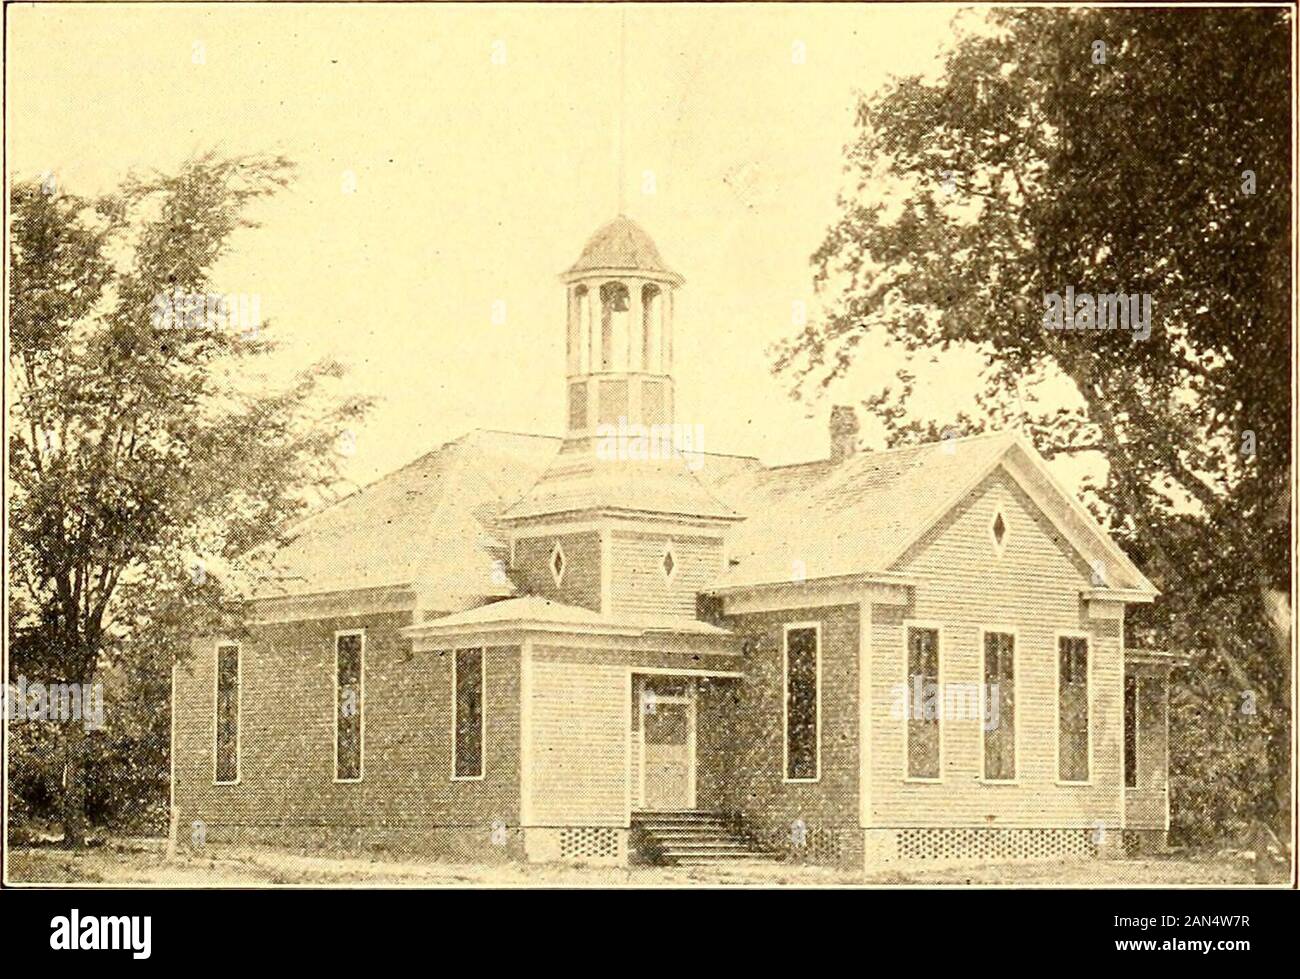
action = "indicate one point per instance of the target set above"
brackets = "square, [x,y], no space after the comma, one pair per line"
[871,453]
[1005,432]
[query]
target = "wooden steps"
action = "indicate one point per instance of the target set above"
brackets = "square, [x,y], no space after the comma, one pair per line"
[694,838]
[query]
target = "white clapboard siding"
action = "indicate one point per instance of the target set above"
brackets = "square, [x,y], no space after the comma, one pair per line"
[639,585]
[579,738]
[1034,588]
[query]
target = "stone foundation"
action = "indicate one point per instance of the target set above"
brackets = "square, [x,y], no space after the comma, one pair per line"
[450,844]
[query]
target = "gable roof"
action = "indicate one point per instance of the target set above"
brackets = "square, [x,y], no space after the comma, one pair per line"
[821,520]
[437,525]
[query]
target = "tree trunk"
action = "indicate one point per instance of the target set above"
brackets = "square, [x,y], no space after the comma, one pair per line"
[74,783]
[1277,609]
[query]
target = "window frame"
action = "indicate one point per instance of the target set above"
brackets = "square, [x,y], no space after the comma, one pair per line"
[1125,768]
[361,706]
[1056,645]
[455,700]
[216,707]
[937,628]
[816,627]
[1000,630]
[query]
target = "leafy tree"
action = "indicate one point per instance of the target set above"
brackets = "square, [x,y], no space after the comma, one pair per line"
[1112,150]
[136,460]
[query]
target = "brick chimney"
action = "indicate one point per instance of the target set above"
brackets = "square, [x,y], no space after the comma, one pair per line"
[844,432]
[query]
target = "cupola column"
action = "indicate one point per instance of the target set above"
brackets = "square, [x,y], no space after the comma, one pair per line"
[619,331]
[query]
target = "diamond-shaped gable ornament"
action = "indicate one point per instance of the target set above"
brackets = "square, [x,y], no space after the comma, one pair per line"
[557,562]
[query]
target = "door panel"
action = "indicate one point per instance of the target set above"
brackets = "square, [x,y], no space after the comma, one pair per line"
[667,758]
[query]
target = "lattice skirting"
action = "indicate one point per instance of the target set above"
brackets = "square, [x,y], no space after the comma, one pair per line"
[577,844]
[982,845]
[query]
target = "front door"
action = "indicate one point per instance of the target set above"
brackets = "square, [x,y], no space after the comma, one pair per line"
[667,744]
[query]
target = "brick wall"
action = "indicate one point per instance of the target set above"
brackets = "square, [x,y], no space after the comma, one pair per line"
[580,583]
[756,787]
[286,790]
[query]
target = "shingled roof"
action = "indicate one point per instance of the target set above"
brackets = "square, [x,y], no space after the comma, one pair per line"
[435,526]
[430,526]
[622,245]
[820,520]
[861,516]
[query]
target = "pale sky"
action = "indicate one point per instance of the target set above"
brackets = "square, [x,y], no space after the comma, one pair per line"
[477,182]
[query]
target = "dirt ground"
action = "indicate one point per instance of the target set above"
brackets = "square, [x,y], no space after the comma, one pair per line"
[144,862]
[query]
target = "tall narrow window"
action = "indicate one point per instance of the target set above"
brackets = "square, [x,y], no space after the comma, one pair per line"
[1130,731]
[348,706]
[802,706]
[226,735]
[1072,709]
[922,703]
[467,713]
[999,706]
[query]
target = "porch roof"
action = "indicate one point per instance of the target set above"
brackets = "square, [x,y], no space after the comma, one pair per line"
[533,613]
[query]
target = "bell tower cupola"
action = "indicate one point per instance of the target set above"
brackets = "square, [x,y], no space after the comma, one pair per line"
[620,332]
[620,513]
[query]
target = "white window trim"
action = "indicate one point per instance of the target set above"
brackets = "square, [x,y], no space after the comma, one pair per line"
[937,628]
[239,708]
[361,706]
[999,548]
[557,548]
[1137,733]
[482,751]
[1056,751]
[1011,631]
[816,627]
